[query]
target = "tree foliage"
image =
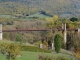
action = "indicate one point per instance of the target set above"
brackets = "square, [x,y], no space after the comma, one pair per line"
[73,40]
[53,22]
[24,7]
[19,38]
[69,24]
[10,50]
[73,19]
[57,42]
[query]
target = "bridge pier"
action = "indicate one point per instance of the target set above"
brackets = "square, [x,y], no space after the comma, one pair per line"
[65,34]
[0,31]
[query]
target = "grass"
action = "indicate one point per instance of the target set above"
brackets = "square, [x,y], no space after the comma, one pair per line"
[39,15]
[8,41]
[2,57]
[5,41]
[27,55]
[30,17]
[7,16]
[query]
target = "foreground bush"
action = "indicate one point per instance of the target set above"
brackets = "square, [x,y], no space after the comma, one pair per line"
[45,58]
[77,54]
[11,51]
[62,58]
[52,58]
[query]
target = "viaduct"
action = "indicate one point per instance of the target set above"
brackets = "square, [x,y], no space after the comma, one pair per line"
[63,28]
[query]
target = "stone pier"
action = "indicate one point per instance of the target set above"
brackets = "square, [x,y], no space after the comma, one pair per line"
[65,34]
[0,31]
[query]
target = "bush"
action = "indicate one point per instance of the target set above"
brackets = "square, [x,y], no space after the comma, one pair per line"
[30,48]
[10,50]
[52,58]
[73,19]
[77,54]
[45,58]
[33,49]
[62,58]
[57,43]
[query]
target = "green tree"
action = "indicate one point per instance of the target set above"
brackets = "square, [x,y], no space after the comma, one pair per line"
[73,19]
[19,38]
[10,50]
[57,42]
[51,23]
[70,24]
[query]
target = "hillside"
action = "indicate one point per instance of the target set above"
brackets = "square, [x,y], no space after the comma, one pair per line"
[49,7]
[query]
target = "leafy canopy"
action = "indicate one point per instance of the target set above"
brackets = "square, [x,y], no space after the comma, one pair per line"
[53,22]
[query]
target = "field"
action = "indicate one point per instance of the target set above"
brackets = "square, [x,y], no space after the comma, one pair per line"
[30,17]
[26,55]
[7,16]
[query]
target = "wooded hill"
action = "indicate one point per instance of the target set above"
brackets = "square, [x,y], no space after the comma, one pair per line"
[49,7]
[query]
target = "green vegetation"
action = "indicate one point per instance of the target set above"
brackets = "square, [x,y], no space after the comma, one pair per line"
[10,50]
[45,37]
[77,54]
[35,14]
[22,8]
[19,38]
[73,19]
[33,49]
[52,58]
[27,55]
[57,42]
[33,53]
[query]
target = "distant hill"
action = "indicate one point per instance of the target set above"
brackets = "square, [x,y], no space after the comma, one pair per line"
[50,7]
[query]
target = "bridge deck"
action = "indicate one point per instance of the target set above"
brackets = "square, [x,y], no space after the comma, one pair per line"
[19,30]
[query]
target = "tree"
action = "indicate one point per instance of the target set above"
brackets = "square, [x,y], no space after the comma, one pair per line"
[10,50]
[69,24]
[19,38]
[49,39]
[51,23]
[57,42]
[73,19]
[73,40]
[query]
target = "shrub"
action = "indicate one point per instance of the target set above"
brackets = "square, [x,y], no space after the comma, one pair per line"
[73,19]
[62,58]
[19,38]
[33,49]
[57,43]
[45,58]
[30,48]
[10,50]
[41,57]
[77,54]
